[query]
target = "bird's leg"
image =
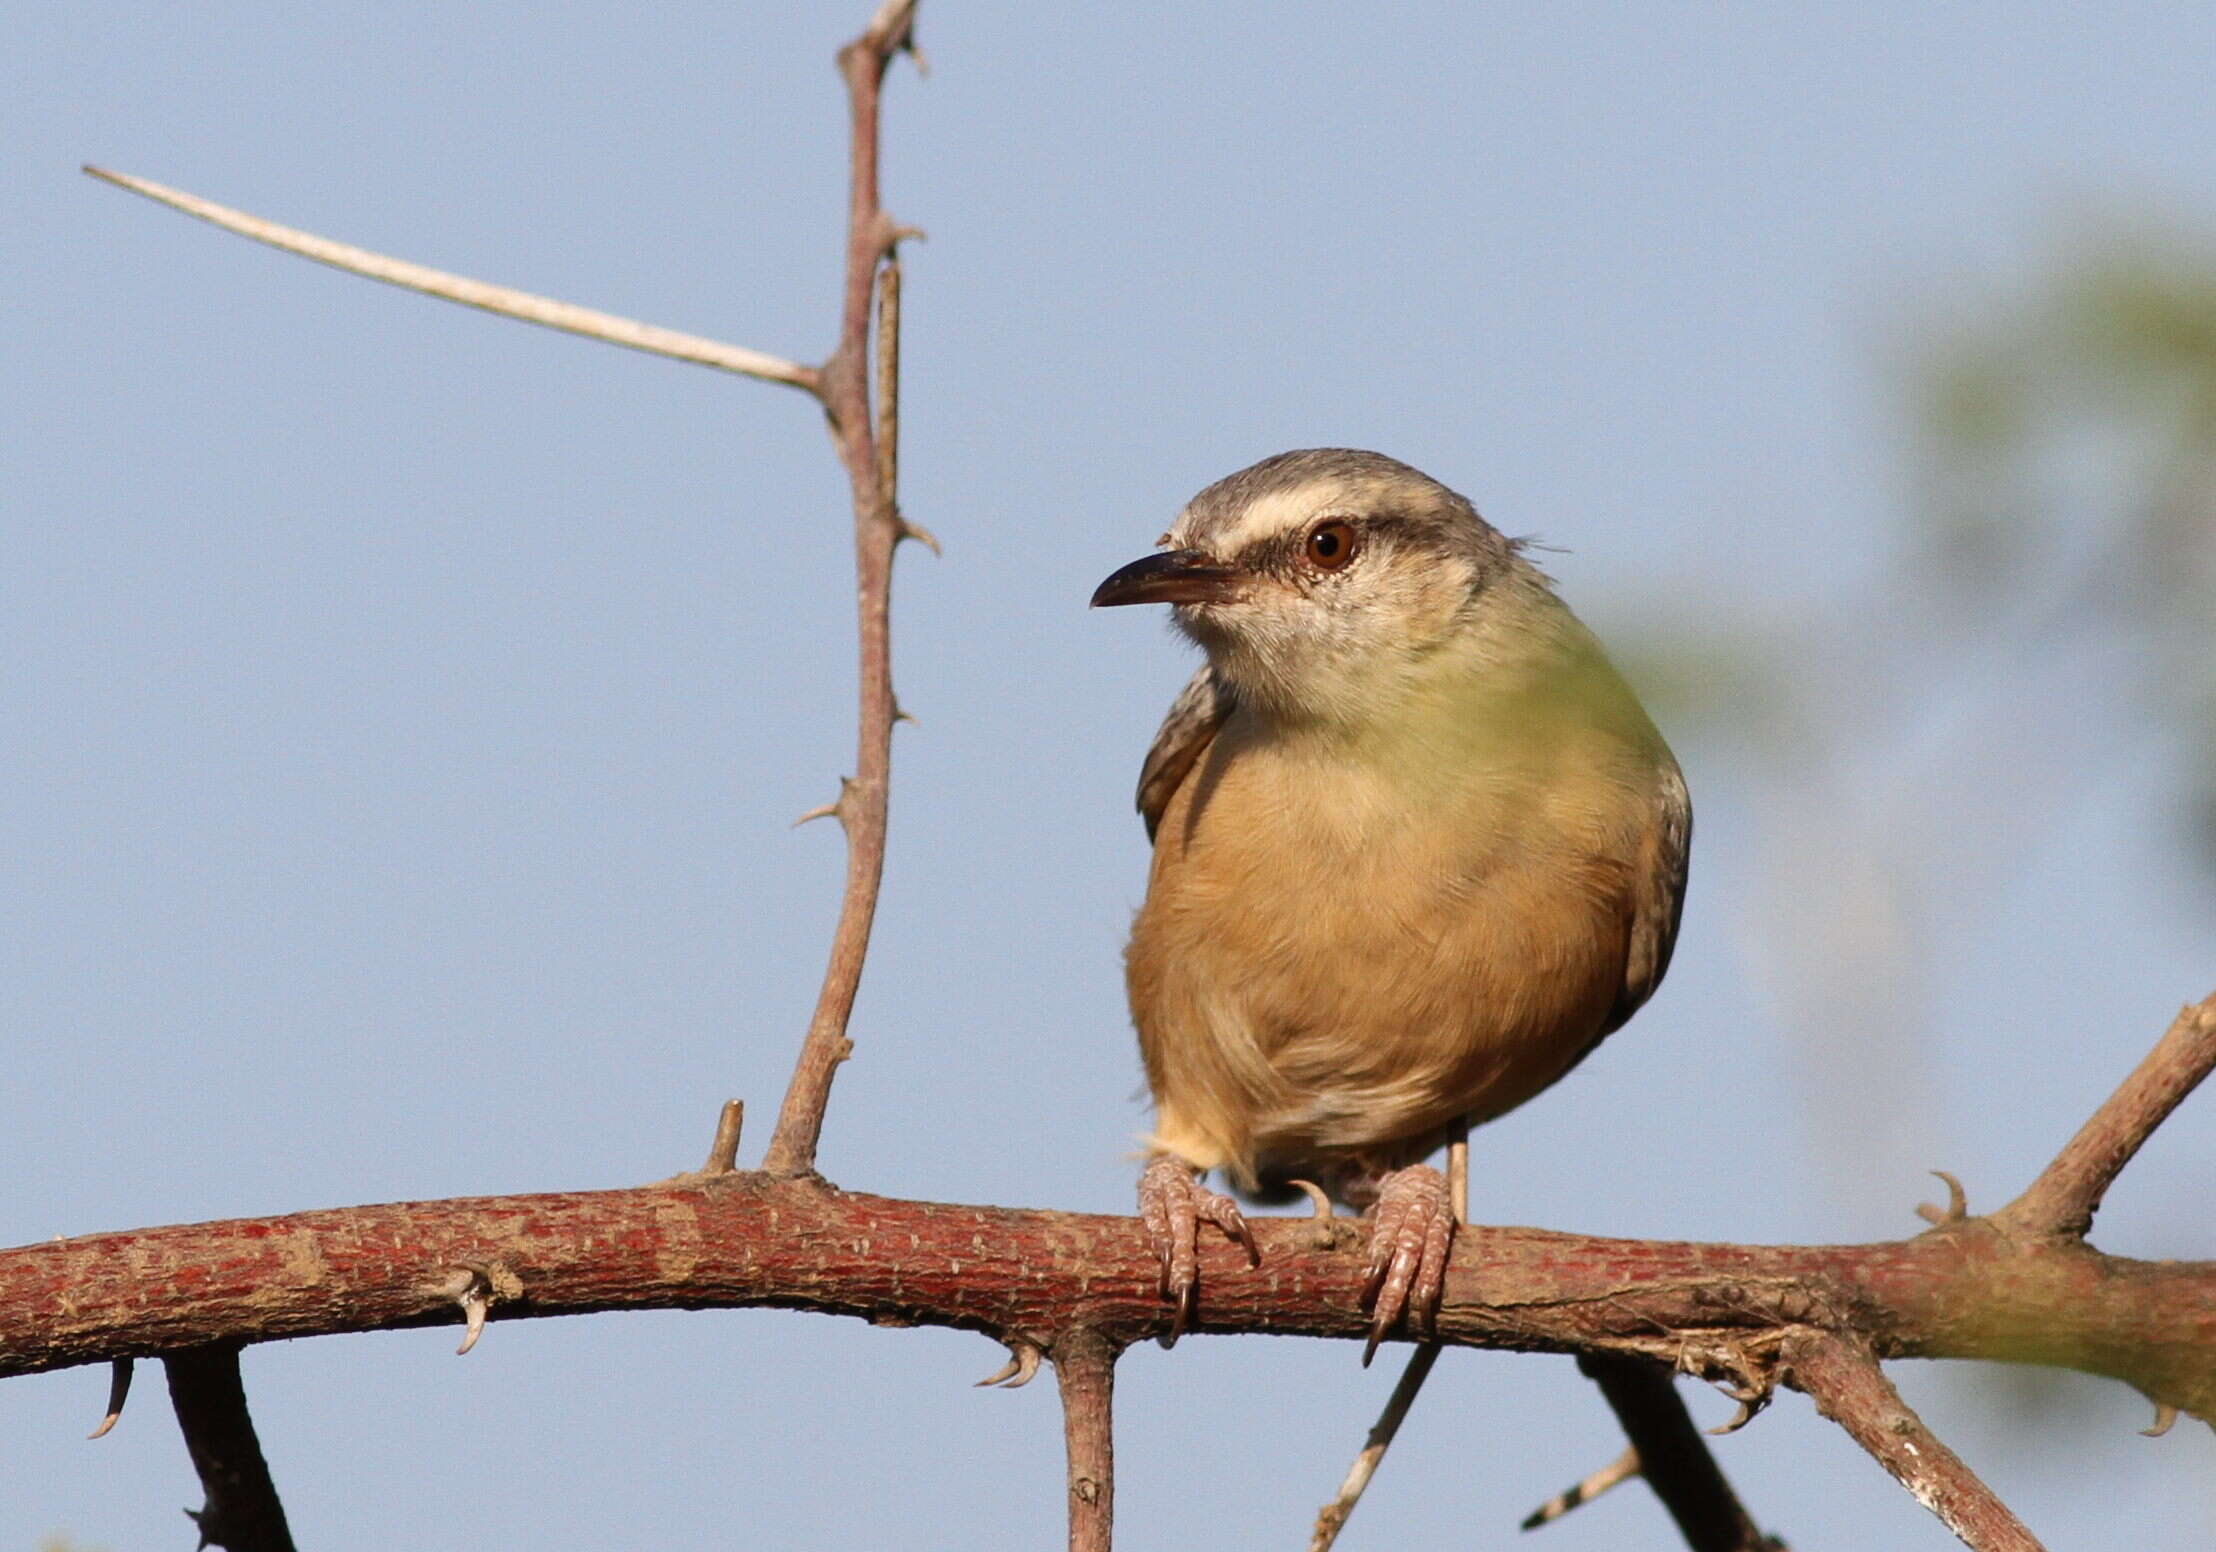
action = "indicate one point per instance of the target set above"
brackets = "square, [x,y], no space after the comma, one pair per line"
[1411,1231]
[1173,1204]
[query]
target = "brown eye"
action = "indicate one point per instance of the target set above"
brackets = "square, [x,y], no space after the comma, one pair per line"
[1331,545]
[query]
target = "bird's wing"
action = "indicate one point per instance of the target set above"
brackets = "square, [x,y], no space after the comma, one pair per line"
[1194,717]
[1659,894]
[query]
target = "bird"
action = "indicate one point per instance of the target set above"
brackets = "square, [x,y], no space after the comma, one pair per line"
[1417,850]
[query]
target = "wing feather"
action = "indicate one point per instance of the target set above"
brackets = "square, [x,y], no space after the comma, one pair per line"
[1659,898]
[1194,717]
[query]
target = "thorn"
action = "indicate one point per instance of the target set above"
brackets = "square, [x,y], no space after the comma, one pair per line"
[119,1387]
[1325,1235]
[1957,1208]
[723,1153]
[1752,1399]
[1022,1366]
[919,533]
[901,234]
[1622,1469]
[2164,1416]
[834,810]
[474,1305]
[1739,1419]
[470,1287]
[900,715]
[199,1518]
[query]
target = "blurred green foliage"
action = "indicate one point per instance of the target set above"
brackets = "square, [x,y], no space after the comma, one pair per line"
[2067,443]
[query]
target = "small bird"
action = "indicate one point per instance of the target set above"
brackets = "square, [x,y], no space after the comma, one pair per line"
[1417,851]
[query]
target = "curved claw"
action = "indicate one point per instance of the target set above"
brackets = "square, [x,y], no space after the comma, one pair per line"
[1173,1205]
[1409,1243]
[2165,1417]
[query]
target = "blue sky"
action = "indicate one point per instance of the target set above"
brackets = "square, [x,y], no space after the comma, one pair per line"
[407,708]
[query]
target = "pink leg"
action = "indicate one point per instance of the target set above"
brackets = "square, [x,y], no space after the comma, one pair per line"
[1174,1204]
[1411,1232]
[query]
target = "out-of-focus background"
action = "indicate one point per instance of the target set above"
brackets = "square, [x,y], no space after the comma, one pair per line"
[406,709]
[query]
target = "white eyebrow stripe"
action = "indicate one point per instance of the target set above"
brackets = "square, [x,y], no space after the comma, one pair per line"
[1266,517]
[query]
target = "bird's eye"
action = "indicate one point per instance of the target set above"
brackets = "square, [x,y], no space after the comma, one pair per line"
[1331,544]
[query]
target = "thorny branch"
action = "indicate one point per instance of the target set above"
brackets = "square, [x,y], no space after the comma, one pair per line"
[867,449]
[870,456]
[1727,1313]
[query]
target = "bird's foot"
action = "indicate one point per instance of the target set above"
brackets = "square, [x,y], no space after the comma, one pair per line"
[1174,1204]
[1411,1231]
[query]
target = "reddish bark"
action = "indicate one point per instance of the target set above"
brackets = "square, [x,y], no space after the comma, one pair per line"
[1963,1290]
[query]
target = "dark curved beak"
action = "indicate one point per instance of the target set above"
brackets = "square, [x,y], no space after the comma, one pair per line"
[1172,577]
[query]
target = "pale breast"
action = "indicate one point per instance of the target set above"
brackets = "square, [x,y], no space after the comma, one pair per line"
[1338,956]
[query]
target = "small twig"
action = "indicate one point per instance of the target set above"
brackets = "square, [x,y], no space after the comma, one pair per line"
[2068,1192]
[504,300]
[847,393]
[1617,1472]
[1085,1369]
[242,1513]
[1673,1457]
[119,1391]
[1844,1381]
[1333,1516]
[723,1153]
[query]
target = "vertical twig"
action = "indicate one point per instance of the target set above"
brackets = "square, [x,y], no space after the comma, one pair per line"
[242,1513]
[1844,1381]
[845,387]
[1085,1369]
[1673,1457]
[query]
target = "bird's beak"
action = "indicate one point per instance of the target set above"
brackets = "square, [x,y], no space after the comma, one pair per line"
[1172,577]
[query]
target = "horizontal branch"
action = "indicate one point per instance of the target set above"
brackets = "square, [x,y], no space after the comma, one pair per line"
[504,300]
[1965,1290]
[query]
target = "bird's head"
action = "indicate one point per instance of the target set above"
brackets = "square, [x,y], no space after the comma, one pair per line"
[1319,580]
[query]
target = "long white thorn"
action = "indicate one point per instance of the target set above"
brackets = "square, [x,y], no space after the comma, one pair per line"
[504,300]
